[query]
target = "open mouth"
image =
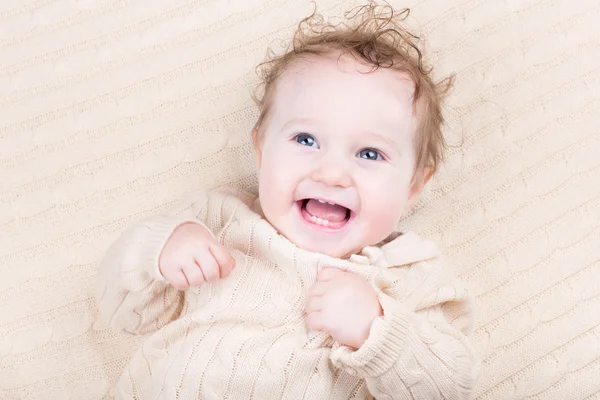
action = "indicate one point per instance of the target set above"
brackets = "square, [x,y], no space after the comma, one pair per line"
[324,213]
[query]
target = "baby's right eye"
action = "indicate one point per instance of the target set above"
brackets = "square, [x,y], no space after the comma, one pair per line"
[306,140]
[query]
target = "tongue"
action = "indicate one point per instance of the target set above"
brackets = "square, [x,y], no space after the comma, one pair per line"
[330,212]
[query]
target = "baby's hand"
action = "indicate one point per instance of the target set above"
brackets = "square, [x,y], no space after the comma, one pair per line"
[344,305]
[192,257]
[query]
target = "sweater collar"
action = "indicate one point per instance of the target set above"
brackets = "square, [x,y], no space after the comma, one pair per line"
[397,250]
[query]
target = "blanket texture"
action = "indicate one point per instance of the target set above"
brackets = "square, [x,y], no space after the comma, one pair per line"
[111,110]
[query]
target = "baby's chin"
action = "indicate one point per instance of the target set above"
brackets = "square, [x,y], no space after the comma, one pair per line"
[330,248]
[334,244]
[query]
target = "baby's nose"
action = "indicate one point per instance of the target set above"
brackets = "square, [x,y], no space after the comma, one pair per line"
[332,174]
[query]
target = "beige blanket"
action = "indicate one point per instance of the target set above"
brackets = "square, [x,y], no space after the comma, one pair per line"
[110,110]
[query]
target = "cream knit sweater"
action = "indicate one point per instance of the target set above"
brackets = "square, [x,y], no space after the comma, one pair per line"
[245,337]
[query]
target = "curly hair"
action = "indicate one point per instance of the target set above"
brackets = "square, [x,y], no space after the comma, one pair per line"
[372,34]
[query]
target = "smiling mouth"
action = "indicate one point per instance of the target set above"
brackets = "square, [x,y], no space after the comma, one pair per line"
[320,213]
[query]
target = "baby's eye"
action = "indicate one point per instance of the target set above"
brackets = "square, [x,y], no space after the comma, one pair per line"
[370,154]
[306,140]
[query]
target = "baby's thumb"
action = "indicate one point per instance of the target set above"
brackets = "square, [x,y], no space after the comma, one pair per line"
[223,258]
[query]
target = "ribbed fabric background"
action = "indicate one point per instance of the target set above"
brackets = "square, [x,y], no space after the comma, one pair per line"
[111,110]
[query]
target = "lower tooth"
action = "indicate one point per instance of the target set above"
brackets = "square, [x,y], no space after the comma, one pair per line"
[319,221]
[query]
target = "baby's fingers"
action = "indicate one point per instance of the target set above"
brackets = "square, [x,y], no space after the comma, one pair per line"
[314,303]
[224,260]
[314,321]
[177,279]
[318,289]
[208,265]
[193,274]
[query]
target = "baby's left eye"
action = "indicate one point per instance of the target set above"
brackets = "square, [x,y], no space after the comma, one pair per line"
[370,154]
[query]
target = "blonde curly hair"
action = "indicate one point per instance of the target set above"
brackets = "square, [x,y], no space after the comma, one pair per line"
[373,34]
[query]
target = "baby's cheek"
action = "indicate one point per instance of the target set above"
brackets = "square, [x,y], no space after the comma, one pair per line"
[382,216]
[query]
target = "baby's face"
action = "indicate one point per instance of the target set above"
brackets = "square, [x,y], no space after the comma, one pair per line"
[336,157]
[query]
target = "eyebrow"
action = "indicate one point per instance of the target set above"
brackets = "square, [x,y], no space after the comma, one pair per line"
[297,121]
[383,138]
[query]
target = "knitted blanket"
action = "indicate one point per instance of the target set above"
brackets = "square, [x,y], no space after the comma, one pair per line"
[111,110]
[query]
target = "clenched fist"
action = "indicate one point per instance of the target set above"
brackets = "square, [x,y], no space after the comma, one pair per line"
[344,305]
[192,257]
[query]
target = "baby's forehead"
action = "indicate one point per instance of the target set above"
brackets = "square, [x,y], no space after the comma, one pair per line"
[322,83]
[340,94]
[343,74]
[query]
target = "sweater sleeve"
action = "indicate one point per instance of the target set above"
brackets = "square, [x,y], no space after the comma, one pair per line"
[131,293]
[419,348]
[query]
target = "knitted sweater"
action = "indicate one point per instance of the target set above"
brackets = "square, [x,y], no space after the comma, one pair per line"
[245,337]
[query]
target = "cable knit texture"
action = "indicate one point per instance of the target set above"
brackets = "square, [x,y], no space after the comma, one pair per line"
[110,110]
[245,336]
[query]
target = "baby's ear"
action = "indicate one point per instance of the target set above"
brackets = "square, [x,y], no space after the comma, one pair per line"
[417,187]
[254,136]
[257,149]
[427,174]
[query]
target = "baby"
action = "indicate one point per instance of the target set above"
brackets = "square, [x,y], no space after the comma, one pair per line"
[306,292]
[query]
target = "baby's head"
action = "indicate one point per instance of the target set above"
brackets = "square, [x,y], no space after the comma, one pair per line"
[348,133]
